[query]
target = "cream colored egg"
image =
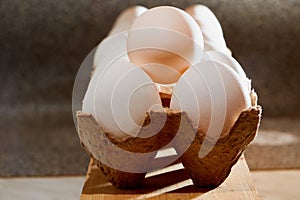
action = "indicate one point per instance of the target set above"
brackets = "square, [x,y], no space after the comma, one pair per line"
[214,46]
[165,41]
[125,19]
[111,48]
[115,45]
[230,62]
[219,98]
[206,19]
[226,59]
[119,98]
[210,27]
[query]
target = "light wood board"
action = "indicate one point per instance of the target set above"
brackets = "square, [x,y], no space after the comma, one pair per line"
[172,183]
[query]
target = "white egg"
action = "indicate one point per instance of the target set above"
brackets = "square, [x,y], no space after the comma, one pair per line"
[115,45]
[219,97]
[119,98]
[210,27]
[230,62]
[214,46]
[165,41]
[206,19]
[111,48]
[125,19]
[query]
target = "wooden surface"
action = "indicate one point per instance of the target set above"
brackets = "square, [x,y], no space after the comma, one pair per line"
[172,183]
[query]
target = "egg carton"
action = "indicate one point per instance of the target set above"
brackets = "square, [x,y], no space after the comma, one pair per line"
[207,171]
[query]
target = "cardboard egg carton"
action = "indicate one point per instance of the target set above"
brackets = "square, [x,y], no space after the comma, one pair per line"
[208,171]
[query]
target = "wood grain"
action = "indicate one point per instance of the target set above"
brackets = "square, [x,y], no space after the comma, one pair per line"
[172,183]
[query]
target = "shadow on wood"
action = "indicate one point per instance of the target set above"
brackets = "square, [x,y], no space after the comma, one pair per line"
[169,183]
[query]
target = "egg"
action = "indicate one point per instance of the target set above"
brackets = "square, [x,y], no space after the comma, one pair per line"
[125,19]
[230,62]
[214,46]
[216,96]
[111,48]
[119,98]
[164,41]
[115,44]
[210,27]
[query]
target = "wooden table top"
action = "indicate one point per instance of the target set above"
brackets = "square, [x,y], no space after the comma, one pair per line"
[172,183]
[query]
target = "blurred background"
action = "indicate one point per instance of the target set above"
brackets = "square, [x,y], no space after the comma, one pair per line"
[43,43]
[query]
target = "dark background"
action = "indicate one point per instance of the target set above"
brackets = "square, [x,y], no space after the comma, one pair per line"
[42,44]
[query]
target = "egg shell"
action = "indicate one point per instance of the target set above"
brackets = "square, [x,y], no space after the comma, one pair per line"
[230,62]
[126,18]
[206,19]
[214,46]
[111,48]
[115,44]
[210,27]
[220,96]
[119,97]
[164,37]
